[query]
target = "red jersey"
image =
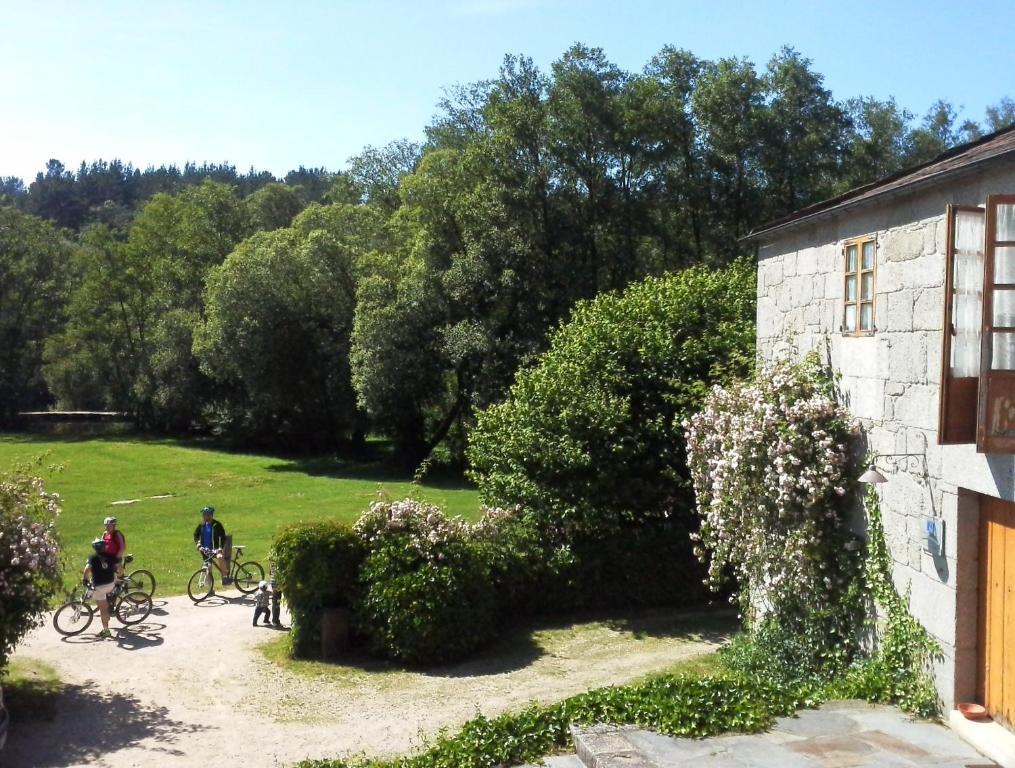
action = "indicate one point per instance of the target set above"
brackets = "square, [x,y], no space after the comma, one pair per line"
[115,543]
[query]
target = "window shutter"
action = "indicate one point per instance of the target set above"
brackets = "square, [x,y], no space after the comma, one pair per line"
[963,316]
[995,422]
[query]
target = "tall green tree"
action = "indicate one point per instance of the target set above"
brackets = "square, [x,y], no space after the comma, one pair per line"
[803,135]
[273,206]
[34,277]
[137,304]
[278,321]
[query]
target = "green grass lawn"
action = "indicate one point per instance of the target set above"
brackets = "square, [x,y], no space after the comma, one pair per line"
[253,495]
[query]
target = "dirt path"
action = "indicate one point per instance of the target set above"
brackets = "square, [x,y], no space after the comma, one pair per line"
[191,689]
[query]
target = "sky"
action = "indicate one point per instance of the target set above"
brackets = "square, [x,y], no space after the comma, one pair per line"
[280,84]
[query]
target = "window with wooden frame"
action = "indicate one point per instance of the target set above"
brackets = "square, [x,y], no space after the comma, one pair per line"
[860,260]
[963,315]
[995,416]
[978,351]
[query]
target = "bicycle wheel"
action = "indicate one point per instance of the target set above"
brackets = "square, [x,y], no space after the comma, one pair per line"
[247,576]
[201,585]
[73,618]
[133,608]
[141,580]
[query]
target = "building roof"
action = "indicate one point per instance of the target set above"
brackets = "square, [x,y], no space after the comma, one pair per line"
[953,162]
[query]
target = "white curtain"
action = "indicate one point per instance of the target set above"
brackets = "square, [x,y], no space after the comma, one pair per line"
[968,285]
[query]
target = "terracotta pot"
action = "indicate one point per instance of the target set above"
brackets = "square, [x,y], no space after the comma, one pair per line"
[972,711]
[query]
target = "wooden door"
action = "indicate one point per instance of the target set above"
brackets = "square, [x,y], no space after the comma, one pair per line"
[996,682]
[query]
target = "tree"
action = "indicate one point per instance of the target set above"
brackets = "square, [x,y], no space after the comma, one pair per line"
[273,206]
[589,439]
[727,105]
[803,135]
[879,141]
[278,320]
[96,360]
[1001,115]
[54,196]
[137,303]
[34,260]
[938,132]
[378,170]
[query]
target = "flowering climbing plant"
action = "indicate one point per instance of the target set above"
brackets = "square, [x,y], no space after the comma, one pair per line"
[768,459]
[29,555]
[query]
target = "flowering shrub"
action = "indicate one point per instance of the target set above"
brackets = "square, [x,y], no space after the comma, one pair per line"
[768,460]
[427,592]
[427,531]
[29,555]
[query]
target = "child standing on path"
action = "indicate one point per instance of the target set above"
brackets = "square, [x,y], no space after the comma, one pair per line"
[261,603]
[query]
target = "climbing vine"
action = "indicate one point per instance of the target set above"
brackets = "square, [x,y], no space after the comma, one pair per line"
[898,669]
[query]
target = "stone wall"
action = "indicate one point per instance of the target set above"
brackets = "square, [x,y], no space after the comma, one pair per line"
[891,383]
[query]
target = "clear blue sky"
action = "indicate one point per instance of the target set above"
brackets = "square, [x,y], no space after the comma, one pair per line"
[290,82]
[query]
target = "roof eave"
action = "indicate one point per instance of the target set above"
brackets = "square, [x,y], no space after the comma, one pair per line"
[793,223]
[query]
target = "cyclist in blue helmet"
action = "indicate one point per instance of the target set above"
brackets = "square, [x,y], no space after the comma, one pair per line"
[210,534]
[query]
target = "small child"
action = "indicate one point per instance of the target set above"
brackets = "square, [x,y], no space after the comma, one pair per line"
[261,603]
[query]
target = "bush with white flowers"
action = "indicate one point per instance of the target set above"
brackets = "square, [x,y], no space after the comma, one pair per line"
[768,459]
[427,593]
[29,556]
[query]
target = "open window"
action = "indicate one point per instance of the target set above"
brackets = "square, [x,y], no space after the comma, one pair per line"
[963,315]
[995,418]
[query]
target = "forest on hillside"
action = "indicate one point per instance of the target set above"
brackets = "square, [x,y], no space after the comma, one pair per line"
[401,293]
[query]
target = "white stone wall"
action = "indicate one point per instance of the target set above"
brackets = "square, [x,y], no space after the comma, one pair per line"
[891,382]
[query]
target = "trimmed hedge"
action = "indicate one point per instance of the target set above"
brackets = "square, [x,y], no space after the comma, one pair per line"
[425,612]
[318,566]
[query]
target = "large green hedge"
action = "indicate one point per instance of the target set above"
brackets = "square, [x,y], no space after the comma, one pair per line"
[590,438]
[318,567]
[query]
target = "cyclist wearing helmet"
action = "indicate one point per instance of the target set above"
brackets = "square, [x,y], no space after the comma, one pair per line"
[210,534]
[101,571]
[116,544]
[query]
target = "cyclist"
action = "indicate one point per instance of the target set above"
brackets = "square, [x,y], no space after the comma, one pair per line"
[101,571]
[210,534]
[116,543]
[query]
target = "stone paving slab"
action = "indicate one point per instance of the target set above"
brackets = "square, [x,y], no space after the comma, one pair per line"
[845,734]
[559,761]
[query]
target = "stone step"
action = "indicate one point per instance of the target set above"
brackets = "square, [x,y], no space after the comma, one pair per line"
[558,761]
[608,746]
[839,733]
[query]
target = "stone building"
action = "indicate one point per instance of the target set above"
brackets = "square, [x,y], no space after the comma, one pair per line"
[909,283]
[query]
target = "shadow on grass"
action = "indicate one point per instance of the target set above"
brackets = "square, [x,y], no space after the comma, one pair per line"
[709,623]
[55,724]
[337,468]
[519,646]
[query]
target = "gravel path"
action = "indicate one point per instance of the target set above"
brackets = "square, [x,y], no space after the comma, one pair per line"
[189,688]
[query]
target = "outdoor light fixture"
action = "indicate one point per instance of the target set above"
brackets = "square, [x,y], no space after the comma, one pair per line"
[872,476]
[913,462]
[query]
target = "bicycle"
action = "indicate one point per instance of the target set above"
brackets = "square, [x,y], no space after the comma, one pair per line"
[139,579]
[246,576]
[129,606]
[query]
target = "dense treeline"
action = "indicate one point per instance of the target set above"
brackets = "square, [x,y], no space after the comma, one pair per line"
[404,292]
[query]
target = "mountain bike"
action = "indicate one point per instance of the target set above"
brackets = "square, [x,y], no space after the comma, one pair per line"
[129,606]
[139,579]
[246,576]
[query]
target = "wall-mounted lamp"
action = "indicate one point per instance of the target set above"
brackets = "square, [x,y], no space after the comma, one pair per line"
[872,476]
[917,460]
